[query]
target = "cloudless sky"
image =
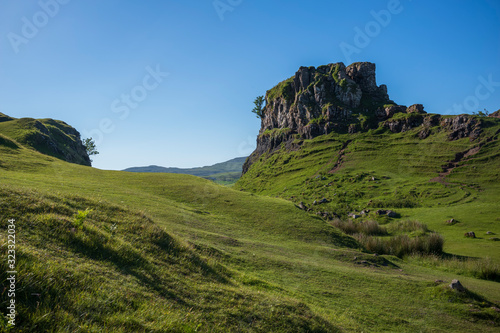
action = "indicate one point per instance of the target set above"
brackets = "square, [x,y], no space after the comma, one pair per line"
[75,60]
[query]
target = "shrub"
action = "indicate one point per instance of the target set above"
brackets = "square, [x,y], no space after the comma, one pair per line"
[403,245]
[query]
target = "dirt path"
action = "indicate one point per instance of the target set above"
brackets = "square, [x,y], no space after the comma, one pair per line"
[452,165]
[340,160]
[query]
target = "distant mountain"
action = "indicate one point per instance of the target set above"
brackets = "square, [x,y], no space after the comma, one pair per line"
[225,172]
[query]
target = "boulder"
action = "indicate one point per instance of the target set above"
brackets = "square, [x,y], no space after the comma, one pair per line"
[392,214]
[322,201]
[470,234]
[456,285]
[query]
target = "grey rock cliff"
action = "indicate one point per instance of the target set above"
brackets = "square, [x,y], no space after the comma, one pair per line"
[336,98]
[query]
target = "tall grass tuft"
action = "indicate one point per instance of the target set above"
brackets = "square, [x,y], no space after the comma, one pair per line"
[409,226]
[402,245]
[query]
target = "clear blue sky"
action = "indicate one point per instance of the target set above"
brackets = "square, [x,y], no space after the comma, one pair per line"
[78,60]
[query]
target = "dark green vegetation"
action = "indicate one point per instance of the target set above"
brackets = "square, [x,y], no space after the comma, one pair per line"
[112,251]
[222,173]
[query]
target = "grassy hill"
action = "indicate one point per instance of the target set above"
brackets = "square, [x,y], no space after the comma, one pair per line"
[113,251]
[224,173]
[431,180]
[48,136]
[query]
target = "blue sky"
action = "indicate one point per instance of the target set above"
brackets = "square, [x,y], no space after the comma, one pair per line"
[191,69]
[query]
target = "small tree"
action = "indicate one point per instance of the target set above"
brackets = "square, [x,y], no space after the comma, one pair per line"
[258,109]
[90,147]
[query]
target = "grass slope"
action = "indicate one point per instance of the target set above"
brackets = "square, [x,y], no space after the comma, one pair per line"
[383,170]
[166,252]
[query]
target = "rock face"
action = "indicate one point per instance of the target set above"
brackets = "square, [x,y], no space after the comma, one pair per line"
[317,101]
[336,98]
[462,126]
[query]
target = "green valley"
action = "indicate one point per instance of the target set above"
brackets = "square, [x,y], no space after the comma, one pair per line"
[352,215]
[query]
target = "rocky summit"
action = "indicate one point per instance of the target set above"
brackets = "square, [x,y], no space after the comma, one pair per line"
[336,98]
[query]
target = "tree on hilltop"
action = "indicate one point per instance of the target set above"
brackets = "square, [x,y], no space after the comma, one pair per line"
[90,147]
[259,109]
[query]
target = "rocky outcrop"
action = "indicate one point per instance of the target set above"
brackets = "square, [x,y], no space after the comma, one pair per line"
[317,101]
[462,126]
[336,98]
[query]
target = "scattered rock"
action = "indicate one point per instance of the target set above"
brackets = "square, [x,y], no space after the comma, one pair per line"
[315,202]
[322,201]
[470,234]
[438,281]
[495,308]
[495,239]
[456,285]
[451,222]
[302,206]
[489,233]
[389,213]
[392,214]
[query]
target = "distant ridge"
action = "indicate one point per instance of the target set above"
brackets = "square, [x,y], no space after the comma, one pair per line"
[228,171]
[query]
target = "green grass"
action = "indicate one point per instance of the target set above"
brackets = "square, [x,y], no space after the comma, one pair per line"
[393,171]
[167,252]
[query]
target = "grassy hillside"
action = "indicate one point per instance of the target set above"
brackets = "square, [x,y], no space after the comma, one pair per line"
[114,251]
[223,173]
[48,136]
[431,180]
